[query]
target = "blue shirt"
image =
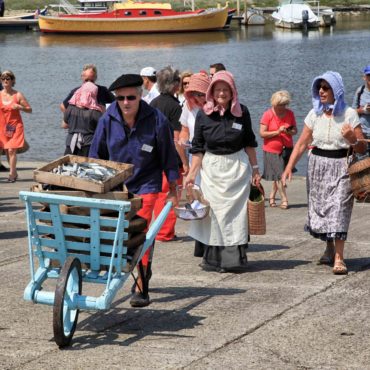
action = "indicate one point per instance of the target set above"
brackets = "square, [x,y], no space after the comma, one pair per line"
[364,99]
[149,146]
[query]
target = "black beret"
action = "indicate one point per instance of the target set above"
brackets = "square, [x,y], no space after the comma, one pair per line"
[129,80]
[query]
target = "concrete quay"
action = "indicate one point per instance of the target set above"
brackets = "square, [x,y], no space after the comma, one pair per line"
[285,312]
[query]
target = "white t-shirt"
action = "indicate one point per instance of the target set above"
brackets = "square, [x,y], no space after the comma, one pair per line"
[153,93]
[187,119]
[326,131]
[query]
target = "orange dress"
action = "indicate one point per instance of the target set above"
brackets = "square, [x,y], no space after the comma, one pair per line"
[11,125]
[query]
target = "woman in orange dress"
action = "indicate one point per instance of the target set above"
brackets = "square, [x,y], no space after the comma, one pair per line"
[11,124]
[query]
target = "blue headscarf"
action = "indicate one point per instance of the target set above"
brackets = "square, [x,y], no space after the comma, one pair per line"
[334,79]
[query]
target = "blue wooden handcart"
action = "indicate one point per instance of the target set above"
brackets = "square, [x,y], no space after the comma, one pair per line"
[71,248]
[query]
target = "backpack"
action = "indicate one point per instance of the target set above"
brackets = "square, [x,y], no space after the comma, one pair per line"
[360,92]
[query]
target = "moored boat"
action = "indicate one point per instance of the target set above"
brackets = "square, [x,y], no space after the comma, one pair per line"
[295,14]
[136,21]
[253,17]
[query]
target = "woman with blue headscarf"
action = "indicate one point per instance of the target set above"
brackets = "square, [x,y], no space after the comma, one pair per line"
[331,127]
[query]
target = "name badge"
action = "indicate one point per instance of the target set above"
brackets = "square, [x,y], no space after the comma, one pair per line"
[237,126]
[147,148]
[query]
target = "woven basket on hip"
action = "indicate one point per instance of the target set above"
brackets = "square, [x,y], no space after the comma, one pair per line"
[359,174]
[256,211]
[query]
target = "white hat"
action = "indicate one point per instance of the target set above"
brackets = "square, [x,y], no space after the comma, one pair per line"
[148,72]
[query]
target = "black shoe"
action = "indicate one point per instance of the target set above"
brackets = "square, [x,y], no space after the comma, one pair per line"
[139,300]
[3,168]
[133,288]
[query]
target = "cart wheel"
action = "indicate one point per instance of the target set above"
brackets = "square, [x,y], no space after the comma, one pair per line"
[64,317]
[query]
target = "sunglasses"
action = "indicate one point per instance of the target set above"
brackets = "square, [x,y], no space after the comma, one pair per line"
[6,79]
[128,97]
[197,94]
[324,87]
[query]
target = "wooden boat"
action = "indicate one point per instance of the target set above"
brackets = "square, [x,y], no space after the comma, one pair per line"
[136,21]
[93,6]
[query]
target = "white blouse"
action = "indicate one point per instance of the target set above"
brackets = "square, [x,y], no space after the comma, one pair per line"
[326,131]
[187,119]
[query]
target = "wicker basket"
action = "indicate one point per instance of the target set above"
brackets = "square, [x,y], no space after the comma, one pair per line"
[190,215]
[359,173]
[256,211]
[201,211]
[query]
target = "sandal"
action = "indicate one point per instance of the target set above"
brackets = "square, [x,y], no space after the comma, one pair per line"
[284,204]
[272,202]
[328,257]
[340,268]
[12,179]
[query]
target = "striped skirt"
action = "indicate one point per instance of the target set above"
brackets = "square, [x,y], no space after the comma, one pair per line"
[330,199]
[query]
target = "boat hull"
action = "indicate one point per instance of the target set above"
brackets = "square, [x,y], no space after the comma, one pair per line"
[204,21]
[296,26]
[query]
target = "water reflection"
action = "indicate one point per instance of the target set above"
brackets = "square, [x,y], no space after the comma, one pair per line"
[152,41]
[283,34]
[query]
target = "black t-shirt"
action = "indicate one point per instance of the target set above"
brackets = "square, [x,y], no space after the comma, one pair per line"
[104,96]
[81,120]
[170,107]
[222,134]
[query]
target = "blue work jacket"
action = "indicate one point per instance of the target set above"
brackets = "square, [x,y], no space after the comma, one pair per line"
[149,146]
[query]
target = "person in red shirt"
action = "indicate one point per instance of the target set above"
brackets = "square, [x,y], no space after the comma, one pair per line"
[277,128]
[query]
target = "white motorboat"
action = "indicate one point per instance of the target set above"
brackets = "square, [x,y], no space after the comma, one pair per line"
[296,14]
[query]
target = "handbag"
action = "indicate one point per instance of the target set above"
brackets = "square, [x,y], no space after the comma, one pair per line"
[256,211]
[24,148]
[286,153]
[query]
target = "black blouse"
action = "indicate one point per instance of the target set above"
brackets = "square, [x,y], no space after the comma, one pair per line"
[222,135]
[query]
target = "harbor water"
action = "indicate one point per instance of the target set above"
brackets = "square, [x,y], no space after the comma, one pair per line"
[263,59]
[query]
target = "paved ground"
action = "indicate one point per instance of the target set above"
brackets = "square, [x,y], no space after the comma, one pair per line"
[286,312]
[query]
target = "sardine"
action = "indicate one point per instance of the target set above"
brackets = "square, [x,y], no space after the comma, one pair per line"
[85,170]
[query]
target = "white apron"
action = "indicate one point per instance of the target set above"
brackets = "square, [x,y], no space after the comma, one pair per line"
[225,183]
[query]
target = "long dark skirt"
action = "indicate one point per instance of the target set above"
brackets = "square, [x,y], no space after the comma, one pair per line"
[231,258]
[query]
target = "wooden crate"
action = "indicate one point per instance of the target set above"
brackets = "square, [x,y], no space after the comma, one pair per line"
[44,174]
[136,201]
[113,195]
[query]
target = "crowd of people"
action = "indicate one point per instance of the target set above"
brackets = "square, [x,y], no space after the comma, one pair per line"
[182,130]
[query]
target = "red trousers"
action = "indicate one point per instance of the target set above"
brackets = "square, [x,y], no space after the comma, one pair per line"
[167,231]
[146,212]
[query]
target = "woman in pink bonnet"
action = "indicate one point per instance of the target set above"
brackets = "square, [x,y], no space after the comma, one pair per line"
[81,119]
[223,150]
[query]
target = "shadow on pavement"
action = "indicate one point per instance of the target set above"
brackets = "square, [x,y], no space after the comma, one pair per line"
[265,247]
[12,208]
[13,234]
[255,266]
[136,324]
